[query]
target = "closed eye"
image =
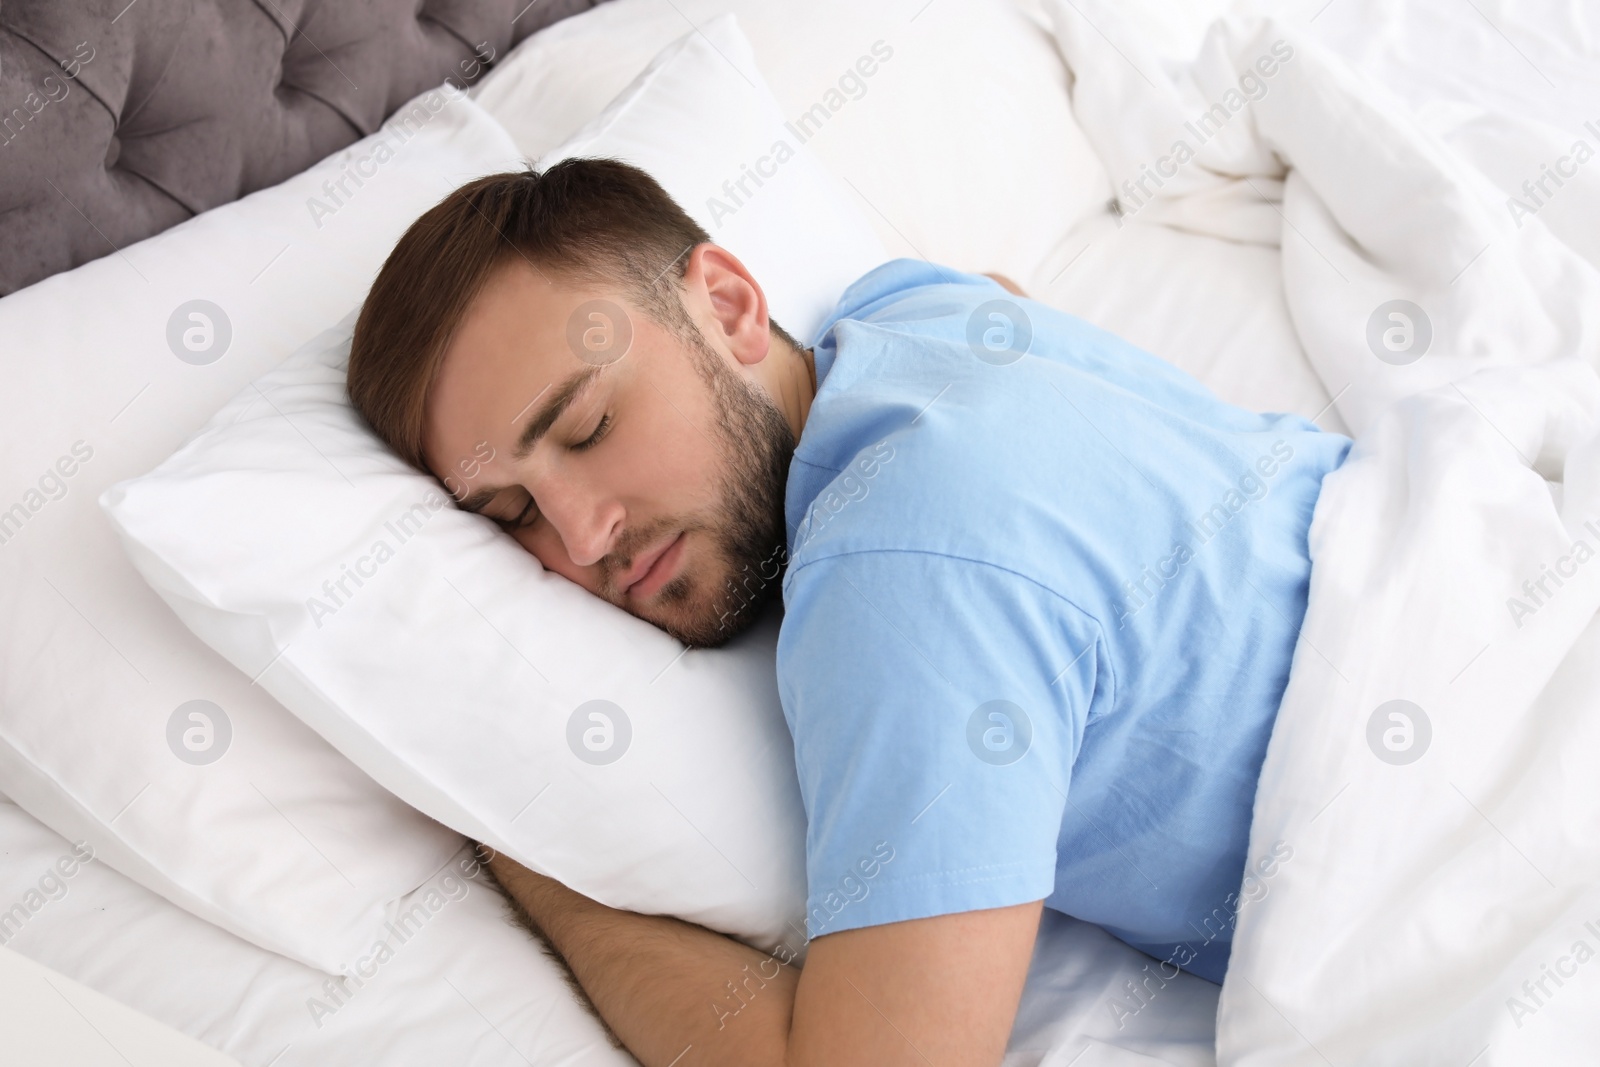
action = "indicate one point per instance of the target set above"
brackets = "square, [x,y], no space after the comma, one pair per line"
[525,516]
[594,438]
[530,509]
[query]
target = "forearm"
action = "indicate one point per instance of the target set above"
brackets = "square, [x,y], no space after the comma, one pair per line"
[674,993]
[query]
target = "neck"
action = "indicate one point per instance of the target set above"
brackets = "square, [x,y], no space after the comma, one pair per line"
[796,385]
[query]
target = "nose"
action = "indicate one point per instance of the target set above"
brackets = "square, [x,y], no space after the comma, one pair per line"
[587,519]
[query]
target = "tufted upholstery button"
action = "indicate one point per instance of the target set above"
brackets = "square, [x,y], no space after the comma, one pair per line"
[205,101]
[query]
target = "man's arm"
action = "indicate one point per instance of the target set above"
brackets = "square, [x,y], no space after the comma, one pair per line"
[943,990]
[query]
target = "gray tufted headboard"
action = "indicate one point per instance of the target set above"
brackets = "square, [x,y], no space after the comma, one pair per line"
[120,118]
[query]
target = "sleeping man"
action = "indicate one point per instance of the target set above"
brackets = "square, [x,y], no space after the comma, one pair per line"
[1041,591]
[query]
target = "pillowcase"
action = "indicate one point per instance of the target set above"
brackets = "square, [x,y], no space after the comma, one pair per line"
[950,121]
[436,653]
[118,726]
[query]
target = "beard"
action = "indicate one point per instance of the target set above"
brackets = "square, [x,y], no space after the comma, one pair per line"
[745,528]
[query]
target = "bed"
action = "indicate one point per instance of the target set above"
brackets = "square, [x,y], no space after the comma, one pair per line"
[468,984]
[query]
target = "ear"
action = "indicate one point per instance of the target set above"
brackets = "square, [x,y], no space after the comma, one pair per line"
[732,308]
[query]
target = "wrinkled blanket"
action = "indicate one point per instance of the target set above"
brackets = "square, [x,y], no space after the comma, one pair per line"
[1432,775]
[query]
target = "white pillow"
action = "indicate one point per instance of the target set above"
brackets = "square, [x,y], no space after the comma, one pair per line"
[702,122]
[503,700]
[281,841]
[960,147]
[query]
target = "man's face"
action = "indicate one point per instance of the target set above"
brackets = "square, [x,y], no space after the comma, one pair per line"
[648,470]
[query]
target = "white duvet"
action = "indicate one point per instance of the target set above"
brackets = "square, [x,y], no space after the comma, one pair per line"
[1432,765]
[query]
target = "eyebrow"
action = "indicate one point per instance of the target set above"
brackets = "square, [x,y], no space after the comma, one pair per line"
[536,427]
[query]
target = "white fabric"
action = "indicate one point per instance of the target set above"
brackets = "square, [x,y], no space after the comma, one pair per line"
[1538,62]
[967,120]
[282,840]
[466,986]
[1419,541]
[1210,306]
[460,983]
[1420,895]
[1514,88]
[1302,161]
[459,672]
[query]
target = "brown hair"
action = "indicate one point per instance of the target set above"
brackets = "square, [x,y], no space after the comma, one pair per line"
[590,220]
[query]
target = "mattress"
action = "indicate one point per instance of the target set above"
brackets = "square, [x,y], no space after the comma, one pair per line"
[463,983]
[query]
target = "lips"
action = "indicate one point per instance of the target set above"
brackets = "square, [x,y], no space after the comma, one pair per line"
[653,569]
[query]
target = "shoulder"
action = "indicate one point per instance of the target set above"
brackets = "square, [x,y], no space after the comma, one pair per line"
[874,295]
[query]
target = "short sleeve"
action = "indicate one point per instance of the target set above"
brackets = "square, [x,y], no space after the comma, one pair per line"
[937,705]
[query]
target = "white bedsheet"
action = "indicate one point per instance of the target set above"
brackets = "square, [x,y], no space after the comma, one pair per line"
[461,985]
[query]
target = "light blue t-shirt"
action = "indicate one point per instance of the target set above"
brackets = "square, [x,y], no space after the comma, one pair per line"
[1042,596]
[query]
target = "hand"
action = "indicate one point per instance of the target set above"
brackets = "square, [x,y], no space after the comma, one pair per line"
[1007,284]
